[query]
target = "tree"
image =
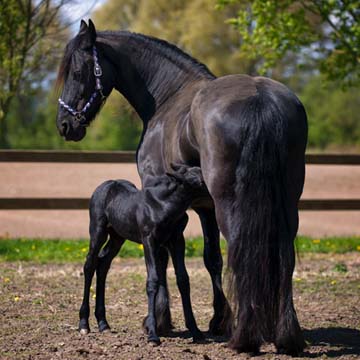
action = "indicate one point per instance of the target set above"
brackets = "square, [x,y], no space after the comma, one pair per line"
[193,25]
[27,50]
[327,31]
[332,114]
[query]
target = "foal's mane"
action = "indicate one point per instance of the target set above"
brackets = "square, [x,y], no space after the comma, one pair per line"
[154,49]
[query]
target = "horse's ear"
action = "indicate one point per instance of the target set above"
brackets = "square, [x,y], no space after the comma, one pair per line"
[87,34]
[92,30]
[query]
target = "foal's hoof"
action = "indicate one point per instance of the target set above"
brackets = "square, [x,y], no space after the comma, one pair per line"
[154,341]
[84,327]
[103,326]
[84,331]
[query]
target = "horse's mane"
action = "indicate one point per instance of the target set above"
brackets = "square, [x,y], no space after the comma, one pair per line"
[162,48]
[64,68]
[150,44]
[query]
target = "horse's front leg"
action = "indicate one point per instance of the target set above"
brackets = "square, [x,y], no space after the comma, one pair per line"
[177,250]
[221,322]
[163,315]
[152,287]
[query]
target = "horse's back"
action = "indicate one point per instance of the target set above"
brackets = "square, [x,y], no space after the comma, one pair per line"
[233,92]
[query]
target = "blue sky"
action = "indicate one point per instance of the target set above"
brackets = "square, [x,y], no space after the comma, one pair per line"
[76,10]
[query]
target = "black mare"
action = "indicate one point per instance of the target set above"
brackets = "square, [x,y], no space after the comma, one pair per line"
[153,217]
[249,136]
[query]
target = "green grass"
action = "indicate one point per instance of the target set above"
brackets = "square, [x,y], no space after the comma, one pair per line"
[61,251]
[337,245]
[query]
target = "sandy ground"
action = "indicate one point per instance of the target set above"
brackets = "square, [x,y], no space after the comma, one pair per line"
[79,180]
[39,313]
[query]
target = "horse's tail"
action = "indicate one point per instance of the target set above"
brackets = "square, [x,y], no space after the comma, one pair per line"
[258,255]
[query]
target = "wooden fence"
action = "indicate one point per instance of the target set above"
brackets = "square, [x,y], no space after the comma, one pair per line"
[129,157]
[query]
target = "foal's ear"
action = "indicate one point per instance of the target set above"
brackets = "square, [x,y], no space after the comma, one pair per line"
[175,176]
[179,168]
[87,35]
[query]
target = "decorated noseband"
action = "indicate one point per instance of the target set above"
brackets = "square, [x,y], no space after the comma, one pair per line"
[80,115]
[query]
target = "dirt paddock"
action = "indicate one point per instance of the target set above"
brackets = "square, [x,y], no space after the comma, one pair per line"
[39,312]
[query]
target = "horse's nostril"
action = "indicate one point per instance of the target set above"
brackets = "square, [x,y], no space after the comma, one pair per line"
[64,127]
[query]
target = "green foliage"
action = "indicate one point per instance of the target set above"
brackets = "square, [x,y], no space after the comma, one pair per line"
[193,25]
[287,39]
[27,49]
[340,267]
[332,114]
[60,251]
[32,126]
[328,31]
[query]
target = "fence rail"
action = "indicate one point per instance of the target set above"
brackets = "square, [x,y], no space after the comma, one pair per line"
[83,203]
[129,157]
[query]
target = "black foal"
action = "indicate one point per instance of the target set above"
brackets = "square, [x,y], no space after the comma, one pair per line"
[154,217]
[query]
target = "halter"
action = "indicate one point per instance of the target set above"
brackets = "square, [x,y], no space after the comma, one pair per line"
[80,115]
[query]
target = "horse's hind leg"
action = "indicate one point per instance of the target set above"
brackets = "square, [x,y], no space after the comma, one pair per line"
[221,322]
[177,250]
[98,236]
[288,336]
[105,258]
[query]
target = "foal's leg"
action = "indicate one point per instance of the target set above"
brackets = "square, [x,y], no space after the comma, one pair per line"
[152,287]
[222,320]
[98,236]
[105,258]
[177,251]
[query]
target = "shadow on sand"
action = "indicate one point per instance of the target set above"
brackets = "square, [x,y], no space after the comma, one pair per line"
[338,341]
[345,339]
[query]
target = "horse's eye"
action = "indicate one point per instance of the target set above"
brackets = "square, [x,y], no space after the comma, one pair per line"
[77,75]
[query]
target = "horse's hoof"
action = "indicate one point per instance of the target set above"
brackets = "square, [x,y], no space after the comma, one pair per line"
[220,327]
[103,326]
[84,331]
[216,328]
[198,337]
[294,347]
[249,348]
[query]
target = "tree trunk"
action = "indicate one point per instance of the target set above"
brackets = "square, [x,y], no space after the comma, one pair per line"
[4,141]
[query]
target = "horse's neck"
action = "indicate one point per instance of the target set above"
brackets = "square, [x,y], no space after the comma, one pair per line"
[151,75]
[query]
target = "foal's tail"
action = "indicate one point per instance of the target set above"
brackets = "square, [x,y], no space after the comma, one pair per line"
[257,257]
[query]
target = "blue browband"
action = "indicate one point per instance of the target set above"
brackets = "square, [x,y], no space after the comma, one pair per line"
[80,115]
